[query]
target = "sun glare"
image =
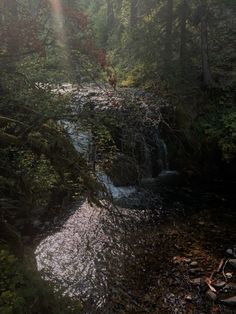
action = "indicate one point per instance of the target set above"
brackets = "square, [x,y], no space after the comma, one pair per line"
[58,19]
[59,26]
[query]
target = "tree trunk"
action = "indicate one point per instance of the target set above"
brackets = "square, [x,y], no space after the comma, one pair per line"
[133,14]
[110,19]
[183,22]
[168,41]
[206,72]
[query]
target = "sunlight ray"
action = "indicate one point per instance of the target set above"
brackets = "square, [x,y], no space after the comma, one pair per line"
[59,26]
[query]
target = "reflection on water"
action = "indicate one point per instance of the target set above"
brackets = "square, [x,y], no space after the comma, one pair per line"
[88,255]
[120,260]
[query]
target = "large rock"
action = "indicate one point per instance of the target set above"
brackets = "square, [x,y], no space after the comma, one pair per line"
[230,301]
[231,252]
[232,262]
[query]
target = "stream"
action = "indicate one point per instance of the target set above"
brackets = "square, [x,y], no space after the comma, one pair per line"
[148,251]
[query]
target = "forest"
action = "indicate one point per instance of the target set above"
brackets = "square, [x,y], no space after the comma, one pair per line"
[118,156]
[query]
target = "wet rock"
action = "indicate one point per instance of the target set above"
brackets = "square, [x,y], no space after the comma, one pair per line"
[230,301]
[232,262]
[211,295]
[219,284]
[230,287]
[194,264]
[188,298]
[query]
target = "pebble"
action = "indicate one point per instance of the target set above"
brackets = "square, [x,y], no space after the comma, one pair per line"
[189,297]
[229,275]
[194,264]
[211,295]
[230,301]
[194,271]
[219,284]
[189,255]
[197,282]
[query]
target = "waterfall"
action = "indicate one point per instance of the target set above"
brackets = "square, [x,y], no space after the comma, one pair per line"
[116,192]
[82,142]
[164,154]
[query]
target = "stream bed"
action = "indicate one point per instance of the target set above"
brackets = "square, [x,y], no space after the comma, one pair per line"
[138,260]
[157,248]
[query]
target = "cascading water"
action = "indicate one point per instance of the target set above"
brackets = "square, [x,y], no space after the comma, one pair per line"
[123,260]
[89,253]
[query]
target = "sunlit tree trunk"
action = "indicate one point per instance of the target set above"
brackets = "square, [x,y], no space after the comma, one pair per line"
[206,72]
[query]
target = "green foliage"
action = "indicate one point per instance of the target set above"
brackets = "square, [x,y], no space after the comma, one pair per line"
[22,291]
[220,128]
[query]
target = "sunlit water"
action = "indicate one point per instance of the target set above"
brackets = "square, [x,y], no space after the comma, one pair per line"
[87,256]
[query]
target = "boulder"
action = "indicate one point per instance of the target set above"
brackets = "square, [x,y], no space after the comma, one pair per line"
[232,262]
[229,301]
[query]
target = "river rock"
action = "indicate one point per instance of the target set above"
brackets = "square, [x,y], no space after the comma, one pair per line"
[194,271]
[230,301]
[219,284]
[229,275]
[232,262]
[194,264]
[211,295]
[188,298]
[231,252]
